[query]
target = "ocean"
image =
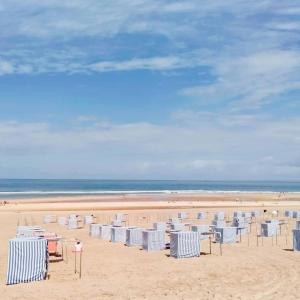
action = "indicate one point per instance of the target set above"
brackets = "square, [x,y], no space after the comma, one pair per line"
[17,188]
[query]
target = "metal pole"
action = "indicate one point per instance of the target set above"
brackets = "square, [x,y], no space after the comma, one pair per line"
[209,244]
[75,259]
[80,264]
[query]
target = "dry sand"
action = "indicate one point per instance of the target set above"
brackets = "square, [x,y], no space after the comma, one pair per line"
[114,271]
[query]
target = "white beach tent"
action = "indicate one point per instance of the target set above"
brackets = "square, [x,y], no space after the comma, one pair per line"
[95,230]
[201,229]
[49,219]
[184,244]
[219,216]
[227,235]
[153,240]
[105,232]
[27,260]
[160,226]
[201,215]
[118,234]
[269,229]
[296,239]
[177,226]
[134,236]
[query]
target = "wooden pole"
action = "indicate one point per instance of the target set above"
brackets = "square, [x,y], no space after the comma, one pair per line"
[80,264]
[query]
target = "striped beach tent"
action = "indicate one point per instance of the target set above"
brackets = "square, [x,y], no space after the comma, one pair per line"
[177,226]
[49,219]
[227,235]
[134,236]
[288,213]
[255,213]
[105,232]
[219,223]
[184,244]
[219,216]
[72,223]
[27,260]
[62,220]
[182,215]
[201,215]
[201,229]
[116,223]
[296,214]
[237,214]
[95,230]
[89,219]
[160,226]
[153,240]
[118,235]
[269,229]
[296,239]
[241,224]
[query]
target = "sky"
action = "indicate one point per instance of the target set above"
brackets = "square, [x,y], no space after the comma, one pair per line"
[143,89]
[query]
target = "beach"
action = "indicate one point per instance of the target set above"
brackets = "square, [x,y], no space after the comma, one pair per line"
[245,270]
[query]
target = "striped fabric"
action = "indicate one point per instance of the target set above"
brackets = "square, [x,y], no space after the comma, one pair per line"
[134,236]
[153,240]
[62,221]
[296,214]
[268,229]
[118,234]
[200,229]
[288,213]
[219,223]
[182,215]
[160,226]
[227,235]
[296,239]
[201,215]
[29,231]
[27,260]
[95,230]
[184,244]
[49,219]
[219,216]
[237,214]
[297,225]
[255,213]
[105,232]
[177,226]
[116,223]
[88,219]
[241,224]
[72,224]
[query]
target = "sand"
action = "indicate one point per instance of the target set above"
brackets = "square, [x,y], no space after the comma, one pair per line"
[114,271]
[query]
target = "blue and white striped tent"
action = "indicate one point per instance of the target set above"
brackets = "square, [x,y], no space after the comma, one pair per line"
[72,223]
[297,225]
[105,232]
[27,260]
[296,239]
[184,244]
[118,235]
[89,219]
[134,236]
[201,215]
[201,229]
[95,230]
[153,240]
[227,235]
[160,226]
[296,214]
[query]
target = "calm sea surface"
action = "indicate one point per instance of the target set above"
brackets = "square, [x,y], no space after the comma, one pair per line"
[14,188]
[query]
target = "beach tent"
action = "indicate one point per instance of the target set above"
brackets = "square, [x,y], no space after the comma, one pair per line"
[29,231]
[72,223]
[182,215]
[255,213]
[237,214]
[219,216]
[241,224]
[49,219]
[297,225]
[134,236]
[119,217]
[227,235]
[116,223]
[89,219]
[177,226]
[201,229]
[184,244]
[62,221]
[118,234]
[246,215]
[153,240]
[160,226]
[288,213]
[219,223]
[174,220]
[269,229]
[296,239]
[95,230]
[27,260]
[296,214]
[105,232]
[201,215]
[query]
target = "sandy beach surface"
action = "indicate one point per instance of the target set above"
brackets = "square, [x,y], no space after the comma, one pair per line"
[114,271]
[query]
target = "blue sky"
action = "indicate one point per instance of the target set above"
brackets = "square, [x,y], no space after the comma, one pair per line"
[150,89]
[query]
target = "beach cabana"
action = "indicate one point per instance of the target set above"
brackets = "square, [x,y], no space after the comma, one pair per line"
[201,229]
[27,260]
[296,239]
[72,223]
[184,244]
[201,215]
[29,231]
[116,223]
[237,214]
[246,215]
[219,216]
[288,213]
[241,224]
[227,235]
[182,215]
[105,232]
[89,219]
[118,235]
[160,226]
[269,229]
[153,240]
[296,214]
[49,219]
[119,217]
[177,226]
[297,225]
[219,223]
[95,230]
[134,236]
[255,213]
